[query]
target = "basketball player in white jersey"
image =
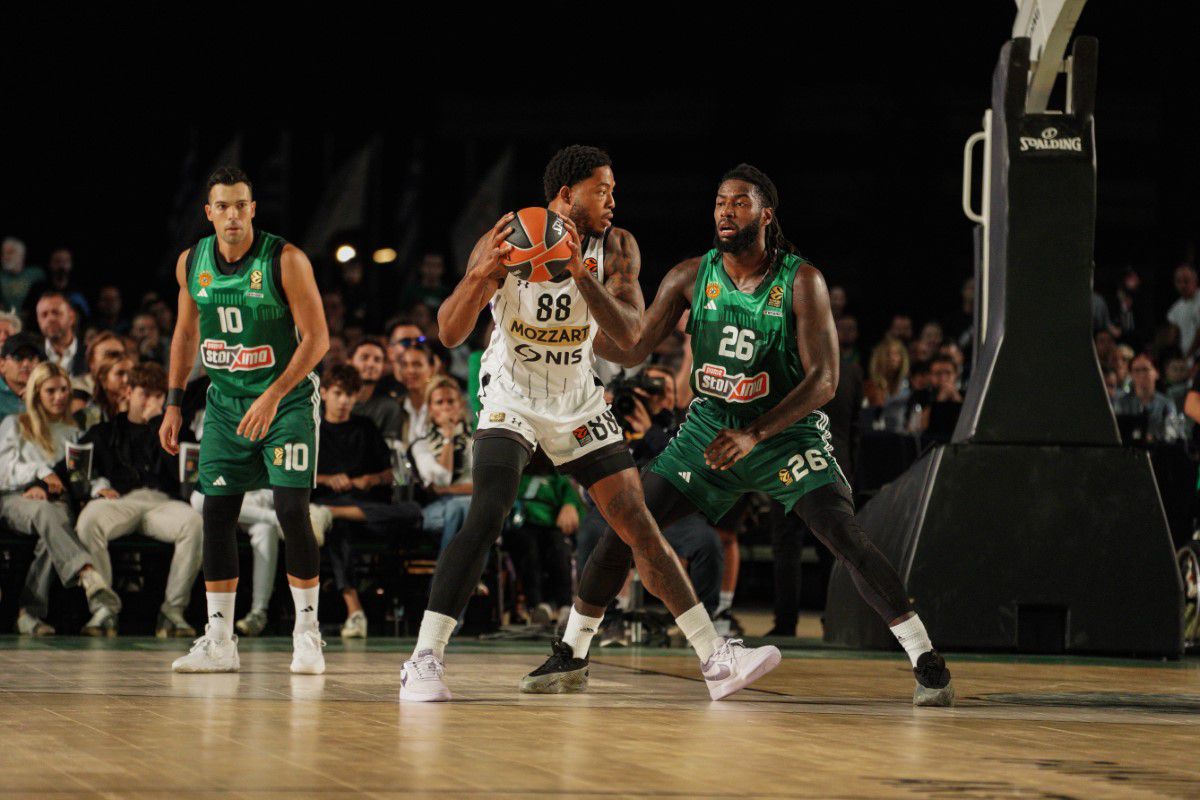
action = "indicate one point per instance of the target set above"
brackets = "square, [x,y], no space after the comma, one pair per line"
[538,389]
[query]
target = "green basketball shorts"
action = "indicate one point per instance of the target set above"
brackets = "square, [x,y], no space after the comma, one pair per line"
[286,456]
[786,466]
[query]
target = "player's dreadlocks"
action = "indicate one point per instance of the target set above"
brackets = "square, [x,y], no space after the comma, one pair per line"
[571,165]
[769,196]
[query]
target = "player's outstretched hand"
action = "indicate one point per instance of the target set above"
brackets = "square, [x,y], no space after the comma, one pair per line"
[259,416]
[487,261]
[729,447]
[575,265]
[168,432]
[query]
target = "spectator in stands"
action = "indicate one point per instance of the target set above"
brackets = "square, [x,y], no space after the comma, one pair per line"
[1135,313]
[56,320]
[847,333]
[151,344]
[10,325]
[837,302]
[932,336]
[1178,378]
[418,366]
[19,355]
[430,289]
[1162,421]
[354,481]
[539,548]
[402,334]
[369,357]
[32,499]
[132,352]
[886,388]
[58,279]
[959,324]
[135,487]
[442,458]
[107,346]
[941,415]
[901,328]
[16,278]
[1106,348]
[110,393]
[1184,314]
[108,310]
[335,311]
[1110,383]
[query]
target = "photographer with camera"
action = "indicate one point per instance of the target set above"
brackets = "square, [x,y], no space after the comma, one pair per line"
[644,405]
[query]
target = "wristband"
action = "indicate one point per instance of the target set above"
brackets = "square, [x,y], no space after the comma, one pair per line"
[175,397]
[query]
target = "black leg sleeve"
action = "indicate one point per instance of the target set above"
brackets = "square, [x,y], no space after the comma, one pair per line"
[787,542]
[498,464]
[220,536]
[300,553]
[605,571]
[829,514]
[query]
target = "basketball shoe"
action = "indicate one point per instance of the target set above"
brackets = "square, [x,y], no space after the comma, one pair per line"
[307,658]
[562,673]
[933,681]
[421,679]
[209,655]
[735,666]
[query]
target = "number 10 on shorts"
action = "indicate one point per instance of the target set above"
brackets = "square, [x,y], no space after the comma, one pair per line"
[292,457]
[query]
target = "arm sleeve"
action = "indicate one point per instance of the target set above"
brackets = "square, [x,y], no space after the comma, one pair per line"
[15,472]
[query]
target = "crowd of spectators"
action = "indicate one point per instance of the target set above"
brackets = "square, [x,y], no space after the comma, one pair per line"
[82,380]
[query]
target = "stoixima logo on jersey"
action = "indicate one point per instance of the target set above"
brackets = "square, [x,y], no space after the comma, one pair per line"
[712,379]
[217,354]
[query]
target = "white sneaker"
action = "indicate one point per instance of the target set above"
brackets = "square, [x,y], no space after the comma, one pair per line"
[421,679]
[322,521]
[210,655]
[307,658]
[735,666]
[355,626]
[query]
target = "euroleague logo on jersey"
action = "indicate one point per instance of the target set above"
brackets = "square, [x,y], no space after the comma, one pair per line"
[217,354]
[712,379]
[591,265]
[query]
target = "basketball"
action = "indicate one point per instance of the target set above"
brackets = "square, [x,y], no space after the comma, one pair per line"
[540,247]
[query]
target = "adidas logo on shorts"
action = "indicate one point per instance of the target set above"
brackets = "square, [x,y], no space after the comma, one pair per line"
[687,476]
[220,481]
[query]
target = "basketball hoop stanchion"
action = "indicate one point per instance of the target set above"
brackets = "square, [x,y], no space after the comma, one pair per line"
[1034,529]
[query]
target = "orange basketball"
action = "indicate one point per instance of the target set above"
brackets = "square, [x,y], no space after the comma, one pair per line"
[540,247]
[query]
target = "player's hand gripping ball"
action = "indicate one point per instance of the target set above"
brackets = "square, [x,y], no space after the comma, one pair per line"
[541,246]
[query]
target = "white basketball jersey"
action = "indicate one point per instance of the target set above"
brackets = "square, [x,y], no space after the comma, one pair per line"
[542,343]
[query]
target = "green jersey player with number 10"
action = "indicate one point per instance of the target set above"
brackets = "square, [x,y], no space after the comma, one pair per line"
[248,303]
[764,361]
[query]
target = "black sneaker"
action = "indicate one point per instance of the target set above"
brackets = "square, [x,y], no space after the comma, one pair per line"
[933,681]
[562,673]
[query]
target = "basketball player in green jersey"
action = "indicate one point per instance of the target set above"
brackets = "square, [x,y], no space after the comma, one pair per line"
[249,304]
[764,361]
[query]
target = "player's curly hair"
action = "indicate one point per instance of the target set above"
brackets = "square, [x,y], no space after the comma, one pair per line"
[571,165]
[227,176]
[768,195]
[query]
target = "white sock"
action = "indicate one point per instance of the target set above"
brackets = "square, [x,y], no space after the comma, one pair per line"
[697,628]
[912,637]
[579,632]
[306,607]
[435,633]
[220,615]
[725,602]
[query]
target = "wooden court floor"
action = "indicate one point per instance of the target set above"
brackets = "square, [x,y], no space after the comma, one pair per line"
[107,719]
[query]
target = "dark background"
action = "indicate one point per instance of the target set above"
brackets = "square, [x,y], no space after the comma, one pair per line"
[860,119]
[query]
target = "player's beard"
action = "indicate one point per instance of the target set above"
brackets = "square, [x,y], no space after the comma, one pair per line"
[742,241]
[582,223]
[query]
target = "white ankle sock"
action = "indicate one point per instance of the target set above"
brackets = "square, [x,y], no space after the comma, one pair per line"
[579,632]
[912,637]
[220,614]
[725,602]
[306,607]
[435,633]
[697,628]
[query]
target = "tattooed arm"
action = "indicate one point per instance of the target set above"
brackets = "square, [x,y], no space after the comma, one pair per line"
[617,304]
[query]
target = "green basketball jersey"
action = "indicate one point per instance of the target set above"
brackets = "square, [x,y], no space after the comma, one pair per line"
[247,333]
[744,357]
